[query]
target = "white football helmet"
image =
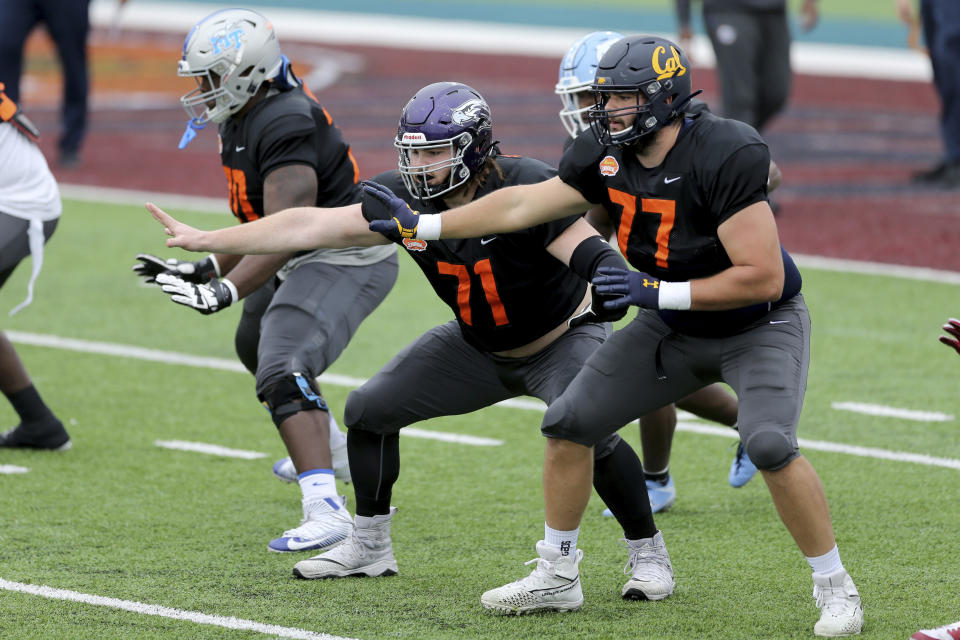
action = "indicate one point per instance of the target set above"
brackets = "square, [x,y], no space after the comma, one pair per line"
[235,50]
[577,71]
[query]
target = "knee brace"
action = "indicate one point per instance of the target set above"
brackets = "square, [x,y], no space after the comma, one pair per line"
[770,450]
[291,394]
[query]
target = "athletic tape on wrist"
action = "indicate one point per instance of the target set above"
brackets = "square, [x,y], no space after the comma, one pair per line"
[428,227]
[674,295]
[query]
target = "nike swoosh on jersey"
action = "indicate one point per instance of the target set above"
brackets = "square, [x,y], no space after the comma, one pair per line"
[669,180]
[486,240]
[239,148]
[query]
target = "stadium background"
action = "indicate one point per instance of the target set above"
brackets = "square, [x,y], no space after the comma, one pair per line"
[124,517]
[859,121]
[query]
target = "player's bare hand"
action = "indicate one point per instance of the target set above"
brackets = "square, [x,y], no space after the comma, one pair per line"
[181,235]
[953,328]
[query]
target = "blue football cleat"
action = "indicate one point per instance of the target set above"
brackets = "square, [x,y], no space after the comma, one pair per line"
[742,468]
[662,495]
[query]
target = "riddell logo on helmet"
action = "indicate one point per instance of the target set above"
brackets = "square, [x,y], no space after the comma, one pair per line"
[609,166]
[670,67]
[414,137]
[415,244]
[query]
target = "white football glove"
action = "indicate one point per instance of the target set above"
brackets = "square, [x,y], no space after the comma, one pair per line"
[206,298]
[201,271]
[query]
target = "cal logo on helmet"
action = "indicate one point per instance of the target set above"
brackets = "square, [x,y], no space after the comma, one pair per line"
[415,244]
[669,67]
[609,166]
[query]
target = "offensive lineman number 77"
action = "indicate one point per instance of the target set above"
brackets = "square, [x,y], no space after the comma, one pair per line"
[667,209]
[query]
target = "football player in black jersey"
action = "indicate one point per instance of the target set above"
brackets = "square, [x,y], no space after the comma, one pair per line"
[279,149]
[578,67]
[524,325]
[719,298]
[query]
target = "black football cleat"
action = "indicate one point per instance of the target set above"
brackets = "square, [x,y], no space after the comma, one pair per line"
[48,435]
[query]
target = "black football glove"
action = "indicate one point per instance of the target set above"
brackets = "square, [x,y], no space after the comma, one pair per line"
[198,272]
[403,220]
[595,312]
[623,287]
[206,298]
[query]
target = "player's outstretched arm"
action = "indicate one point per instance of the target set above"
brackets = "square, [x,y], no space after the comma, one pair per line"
[297,229]
[502,211]
[513,209]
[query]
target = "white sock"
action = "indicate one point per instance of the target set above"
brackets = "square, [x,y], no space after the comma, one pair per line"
[827,563]
[337,437]
[564,541]
[317,484]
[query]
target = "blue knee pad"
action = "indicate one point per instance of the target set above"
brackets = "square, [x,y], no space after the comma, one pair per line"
[291,394]
[770,450]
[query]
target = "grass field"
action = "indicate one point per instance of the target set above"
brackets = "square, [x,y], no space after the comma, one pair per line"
[119,517]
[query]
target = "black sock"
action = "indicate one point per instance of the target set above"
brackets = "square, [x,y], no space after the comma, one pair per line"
[660,478]
[29,406]
[375,467]
[618,479]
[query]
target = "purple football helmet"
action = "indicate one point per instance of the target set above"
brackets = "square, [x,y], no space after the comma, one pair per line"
[444,115]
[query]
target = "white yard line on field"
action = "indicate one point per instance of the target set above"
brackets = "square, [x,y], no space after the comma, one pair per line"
[834,447]
[227,622]
[170,357]
[212,449]
[892,412]
[12,468]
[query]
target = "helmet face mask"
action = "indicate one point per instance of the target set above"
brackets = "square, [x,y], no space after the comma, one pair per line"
[230,53]
[643,65]
[577,71]
[449,125]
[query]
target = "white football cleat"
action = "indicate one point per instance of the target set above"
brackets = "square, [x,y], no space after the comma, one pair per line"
[326,523]
[841,612]
[553,586]
[367,552]
[649,568]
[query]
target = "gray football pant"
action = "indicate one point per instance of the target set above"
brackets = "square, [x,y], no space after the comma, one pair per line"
[304,323]
[440,374]
[766,365]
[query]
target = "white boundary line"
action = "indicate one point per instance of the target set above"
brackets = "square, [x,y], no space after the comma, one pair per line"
[227,622]
[169,357]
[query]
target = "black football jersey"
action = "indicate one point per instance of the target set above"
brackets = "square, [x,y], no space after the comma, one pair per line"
[506,290]
[289,127]
[666,217]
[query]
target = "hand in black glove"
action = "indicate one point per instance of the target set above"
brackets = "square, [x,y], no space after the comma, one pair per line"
[596,312]
[198,272]
[403,220]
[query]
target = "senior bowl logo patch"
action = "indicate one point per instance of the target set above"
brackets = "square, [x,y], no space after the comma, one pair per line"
[415,244]
[609,166]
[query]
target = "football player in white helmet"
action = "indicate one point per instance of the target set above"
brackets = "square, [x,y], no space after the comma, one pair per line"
[279,149]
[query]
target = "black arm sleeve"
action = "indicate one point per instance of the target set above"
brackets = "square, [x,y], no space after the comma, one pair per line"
[591,254]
